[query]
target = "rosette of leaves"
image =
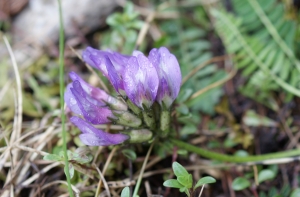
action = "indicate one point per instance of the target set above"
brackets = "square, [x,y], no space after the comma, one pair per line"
[184,180]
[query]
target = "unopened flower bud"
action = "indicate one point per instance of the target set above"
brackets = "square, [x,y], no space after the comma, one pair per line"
[169,75]
[133,107]
[127,119]
[149,119]
[139,136]
[165,122]
[116,104]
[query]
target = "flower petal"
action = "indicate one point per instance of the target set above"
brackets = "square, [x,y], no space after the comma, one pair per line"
[95,93]
[96,137]
[111,64]
[71,100]
[90,110]
[95,58]
[114,77]
[140,80]
[169,74]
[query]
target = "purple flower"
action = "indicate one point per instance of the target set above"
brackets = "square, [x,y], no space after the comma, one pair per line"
[87,101]
[99,94]
[169,74]
[140,80]
[96,137]
[110,63]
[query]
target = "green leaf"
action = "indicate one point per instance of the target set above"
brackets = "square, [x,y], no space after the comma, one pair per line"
[205,180]
[125,192]
[71,170]
[179,170]
[52,157]
[172,183]
[295,193]
[130,154]
[265,175]
[240,183]
[188,129]
[186,181]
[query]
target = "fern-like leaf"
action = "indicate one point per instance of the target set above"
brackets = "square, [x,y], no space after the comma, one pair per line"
[262,46]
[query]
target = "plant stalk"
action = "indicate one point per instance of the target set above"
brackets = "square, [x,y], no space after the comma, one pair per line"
[61,88]
[233,159]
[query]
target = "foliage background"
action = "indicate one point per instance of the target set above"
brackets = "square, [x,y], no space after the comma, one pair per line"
[241,96]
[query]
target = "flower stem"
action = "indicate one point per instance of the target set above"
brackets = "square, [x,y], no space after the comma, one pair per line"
[138,183]
[233,159]
[62,103]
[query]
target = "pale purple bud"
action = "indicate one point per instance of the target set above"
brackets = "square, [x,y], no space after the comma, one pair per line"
[96,137]
[169,75]
[99,94]
[110,63]
[82,103]
[140,80]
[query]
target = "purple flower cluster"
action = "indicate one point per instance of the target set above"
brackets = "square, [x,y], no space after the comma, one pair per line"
[143,80]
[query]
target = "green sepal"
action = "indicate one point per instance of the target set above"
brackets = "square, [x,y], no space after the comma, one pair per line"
[138,136]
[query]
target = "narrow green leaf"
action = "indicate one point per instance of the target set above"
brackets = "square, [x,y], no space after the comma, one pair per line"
[265,175]
[179,170]
[240,183]
[172,183]
[205,180]
[125,192]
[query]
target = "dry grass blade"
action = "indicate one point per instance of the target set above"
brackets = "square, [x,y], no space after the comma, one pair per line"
[213,85]
[77,192]
[37,175]
[17,124]
[200,66]
[105,168]
[103,180]
[144,29]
